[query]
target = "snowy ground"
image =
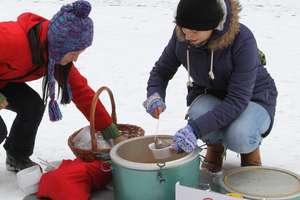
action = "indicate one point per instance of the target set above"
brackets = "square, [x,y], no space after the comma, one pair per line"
[129,37]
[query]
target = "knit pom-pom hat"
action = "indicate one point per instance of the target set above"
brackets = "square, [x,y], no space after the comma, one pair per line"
[69,30]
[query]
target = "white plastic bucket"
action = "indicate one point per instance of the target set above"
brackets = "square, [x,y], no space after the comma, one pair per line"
[160,154]
[28,179]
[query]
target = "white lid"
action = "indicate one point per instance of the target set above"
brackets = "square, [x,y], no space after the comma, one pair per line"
[262,183]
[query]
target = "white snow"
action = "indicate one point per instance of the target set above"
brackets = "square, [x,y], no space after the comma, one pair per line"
[129,37]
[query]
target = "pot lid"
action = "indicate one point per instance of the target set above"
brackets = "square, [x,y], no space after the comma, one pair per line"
[262,183]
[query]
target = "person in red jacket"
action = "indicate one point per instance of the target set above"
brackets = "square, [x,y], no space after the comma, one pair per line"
[33,47]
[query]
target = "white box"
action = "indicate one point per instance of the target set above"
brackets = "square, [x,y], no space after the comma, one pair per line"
[188,193]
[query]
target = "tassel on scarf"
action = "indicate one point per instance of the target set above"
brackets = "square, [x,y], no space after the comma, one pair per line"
[54,111]
[53,108]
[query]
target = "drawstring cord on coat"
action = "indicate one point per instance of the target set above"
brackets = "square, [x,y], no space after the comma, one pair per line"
[189,82]
[210,73]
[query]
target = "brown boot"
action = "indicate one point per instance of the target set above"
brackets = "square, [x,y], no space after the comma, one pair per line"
[251,159]
[214,158]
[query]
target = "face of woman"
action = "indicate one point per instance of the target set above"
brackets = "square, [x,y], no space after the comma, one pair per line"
[196,37]
[70,57]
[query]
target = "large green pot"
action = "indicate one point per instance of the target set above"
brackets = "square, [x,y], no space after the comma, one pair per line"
[138,176]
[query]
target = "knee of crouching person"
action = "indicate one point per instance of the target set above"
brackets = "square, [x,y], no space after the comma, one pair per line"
[242,141]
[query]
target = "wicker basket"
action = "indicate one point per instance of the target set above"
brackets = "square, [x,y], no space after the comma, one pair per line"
[95,153]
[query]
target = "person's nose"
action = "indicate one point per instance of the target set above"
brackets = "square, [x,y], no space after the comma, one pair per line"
[75,58]
[188,36]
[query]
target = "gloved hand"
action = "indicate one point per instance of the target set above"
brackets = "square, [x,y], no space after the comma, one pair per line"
[3,101]
[185,139]
[154,105]
[111,132]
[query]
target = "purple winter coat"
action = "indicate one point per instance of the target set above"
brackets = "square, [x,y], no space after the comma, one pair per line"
[239,77]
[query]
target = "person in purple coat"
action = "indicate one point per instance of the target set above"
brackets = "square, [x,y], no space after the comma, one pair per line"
[231,96]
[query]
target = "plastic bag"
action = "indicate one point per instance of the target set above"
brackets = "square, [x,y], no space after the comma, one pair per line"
[83,140]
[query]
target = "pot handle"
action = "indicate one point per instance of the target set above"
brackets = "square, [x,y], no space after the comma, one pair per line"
[160,177]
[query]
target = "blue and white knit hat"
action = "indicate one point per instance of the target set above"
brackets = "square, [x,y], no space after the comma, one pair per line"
[69,30]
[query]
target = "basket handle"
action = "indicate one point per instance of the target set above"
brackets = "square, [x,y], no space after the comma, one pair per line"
[93,110]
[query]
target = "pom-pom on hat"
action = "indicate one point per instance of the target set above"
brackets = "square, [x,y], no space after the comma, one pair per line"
[200,15]
[69,30]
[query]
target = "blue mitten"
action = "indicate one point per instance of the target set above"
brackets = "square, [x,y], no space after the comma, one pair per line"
[153,103]
[185,139]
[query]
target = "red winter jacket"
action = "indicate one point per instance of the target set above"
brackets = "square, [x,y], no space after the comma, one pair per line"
[16,61]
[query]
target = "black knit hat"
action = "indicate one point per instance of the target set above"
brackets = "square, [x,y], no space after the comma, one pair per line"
[199,14]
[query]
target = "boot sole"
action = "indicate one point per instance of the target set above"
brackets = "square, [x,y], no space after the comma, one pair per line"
[11,168]
[16,170]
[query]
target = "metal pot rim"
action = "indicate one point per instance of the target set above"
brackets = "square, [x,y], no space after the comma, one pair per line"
[116,159]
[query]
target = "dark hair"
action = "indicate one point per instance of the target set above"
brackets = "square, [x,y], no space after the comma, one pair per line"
[62,77]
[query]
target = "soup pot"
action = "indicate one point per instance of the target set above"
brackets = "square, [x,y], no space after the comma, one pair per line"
[138,175]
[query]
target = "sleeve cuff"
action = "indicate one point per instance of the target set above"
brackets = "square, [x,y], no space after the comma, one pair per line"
[111,132]
[2,97]
[195,129]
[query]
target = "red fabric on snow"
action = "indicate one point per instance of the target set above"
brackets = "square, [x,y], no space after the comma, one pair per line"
[74,179]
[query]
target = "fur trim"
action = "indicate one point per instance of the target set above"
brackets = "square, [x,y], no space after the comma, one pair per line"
[228,37]
[179,34]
